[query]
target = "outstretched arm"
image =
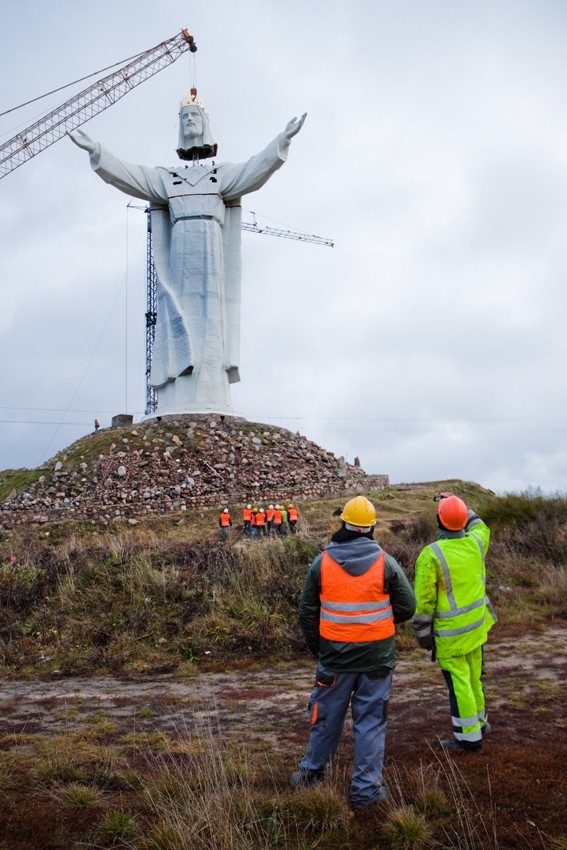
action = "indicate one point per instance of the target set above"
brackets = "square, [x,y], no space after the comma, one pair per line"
[240,179]
[294,126]
[83,140]
[137,180]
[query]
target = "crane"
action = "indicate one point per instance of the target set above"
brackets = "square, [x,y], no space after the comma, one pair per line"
[92,100]
[84,106]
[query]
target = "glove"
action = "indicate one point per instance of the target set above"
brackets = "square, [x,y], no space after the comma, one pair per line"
[426,641]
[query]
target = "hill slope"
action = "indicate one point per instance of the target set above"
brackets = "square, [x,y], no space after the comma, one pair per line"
[176,463]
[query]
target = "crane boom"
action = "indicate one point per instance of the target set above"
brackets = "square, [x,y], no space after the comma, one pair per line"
[92,100]
[254,227]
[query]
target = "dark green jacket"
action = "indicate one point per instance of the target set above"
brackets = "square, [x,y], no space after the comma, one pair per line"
[356,557]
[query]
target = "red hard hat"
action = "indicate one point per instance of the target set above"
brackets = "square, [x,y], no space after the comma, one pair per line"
[452,513]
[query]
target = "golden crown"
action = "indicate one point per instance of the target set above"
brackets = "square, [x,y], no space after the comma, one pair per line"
[191,99]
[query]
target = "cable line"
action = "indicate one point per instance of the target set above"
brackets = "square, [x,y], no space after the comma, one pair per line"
[68,85]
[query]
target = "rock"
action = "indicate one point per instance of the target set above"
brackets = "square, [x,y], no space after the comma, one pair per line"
[222,463]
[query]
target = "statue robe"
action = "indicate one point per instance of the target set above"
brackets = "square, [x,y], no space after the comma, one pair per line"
[196,236]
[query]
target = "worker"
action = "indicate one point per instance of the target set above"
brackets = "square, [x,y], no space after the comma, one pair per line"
[246,517]
[353,596]
[96,424]
[225,522]
[453,615]
[269,520]
[277,520]
[261,522]
[283,527]
[253,527]
[293,516]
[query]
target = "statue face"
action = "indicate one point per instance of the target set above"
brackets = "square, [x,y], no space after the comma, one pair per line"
[191,121]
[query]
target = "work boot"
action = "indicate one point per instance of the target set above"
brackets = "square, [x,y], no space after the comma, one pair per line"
[454,746]
[381,795]
[304,778]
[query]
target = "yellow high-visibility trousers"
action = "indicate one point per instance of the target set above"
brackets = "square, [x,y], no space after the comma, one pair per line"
[462,675]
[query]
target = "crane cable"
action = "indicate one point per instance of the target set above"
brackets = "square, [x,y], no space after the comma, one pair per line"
[68,85]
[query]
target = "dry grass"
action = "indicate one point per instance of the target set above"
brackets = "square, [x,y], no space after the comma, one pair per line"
[167,597]
[160,595]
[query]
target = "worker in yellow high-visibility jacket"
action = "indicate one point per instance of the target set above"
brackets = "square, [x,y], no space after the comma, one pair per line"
[453,615]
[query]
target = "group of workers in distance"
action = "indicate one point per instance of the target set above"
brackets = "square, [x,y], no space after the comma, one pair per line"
[262,522]
[352,599]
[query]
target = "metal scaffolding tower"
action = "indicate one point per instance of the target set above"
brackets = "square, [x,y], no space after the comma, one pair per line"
[151,316]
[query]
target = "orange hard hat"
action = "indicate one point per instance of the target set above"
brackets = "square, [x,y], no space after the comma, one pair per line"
[453,513]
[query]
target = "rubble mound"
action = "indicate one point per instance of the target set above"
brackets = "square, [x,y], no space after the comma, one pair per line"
[177,463]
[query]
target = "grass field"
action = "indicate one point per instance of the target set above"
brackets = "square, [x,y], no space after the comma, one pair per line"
[154,683]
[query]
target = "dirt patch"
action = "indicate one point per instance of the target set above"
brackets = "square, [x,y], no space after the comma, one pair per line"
[520,774]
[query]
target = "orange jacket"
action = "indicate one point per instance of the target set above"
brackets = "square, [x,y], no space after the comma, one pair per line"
[354,609]
[292,514]
[277,517]
[258,519]
[224,520]
[270,514]
[247,514]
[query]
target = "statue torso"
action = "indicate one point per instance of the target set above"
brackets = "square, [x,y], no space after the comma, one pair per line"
[194,193]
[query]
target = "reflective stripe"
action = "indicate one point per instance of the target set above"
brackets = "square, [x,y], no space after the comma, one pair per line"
[360,618]
[474,522]
[441,614]
[354,609]
[455,611]
[480,545]
[446,575]
[473,737]
[355,606]
[461,631]
[465,721]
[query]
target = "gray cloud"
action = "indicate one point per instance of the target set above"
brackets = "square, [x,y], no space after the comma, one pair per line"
[429,342]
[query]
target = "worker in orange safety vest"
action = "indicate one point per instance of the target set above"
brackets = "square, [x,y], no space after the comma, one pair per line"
[247,518]
[269,519]
[277,520]
[353,596]
[225,522]
[257,523]
[293,516]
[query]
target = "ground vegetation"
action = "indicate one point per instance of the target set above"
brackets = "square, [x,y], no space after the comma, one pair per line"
[154,684]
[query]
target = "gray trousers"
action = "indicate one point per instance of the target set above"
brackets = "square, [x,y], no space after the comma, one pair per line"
[367,694]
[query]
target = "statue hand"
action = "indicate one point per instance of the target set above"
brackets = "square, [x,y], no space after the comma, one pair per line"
[294,126]
[82,140]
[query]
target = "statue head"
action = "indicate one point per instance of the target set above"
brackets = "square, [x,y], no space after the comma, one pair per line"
[195,137]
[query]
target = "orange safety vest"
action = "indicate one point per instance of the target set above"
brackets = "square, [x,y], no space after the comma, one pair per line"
[270,515]
[246,514]
[260,519]
[224,520]
[292,514]
[354,609]
[277,517]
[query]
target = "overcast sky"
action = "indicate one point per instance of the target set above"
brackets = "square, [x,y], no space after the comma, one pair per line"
[429,342]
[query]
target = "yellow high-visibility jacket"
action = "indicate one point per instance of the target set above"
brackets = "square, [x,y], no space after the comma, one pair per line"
[450,588]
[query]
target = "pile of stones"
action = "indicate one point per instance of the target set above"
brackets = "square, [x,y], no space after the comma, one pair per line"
[179,463]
